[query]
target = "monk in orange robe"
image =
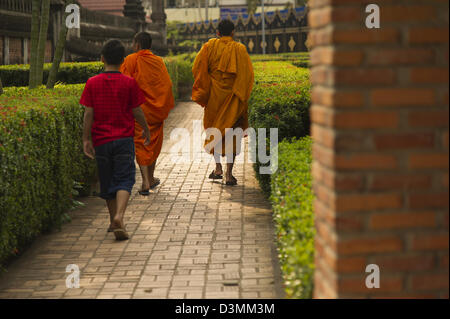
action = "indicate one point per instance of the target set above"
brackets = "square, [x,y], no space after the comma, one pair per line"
[223,81]
[151,75]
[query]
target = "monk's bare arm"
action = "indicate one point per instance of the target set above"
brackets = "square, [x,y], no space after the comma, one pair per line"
[140,118]
[87,126]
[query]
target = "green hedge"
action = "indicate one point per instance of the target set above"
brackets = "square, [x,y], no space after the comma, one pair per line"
[69,73]
[299,59]
[292,200]
[76,73]
[180,71]
[40,159]
[280,99]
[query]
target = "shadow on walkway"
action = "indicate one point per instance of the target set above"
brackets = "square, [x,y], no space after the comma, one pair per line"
[191,238]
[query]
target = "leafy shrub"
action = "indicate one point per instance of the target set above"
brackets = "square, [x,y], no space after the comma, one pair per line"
[69,73]
[284,106]
[172,68]
[280,99]
[279,72]
[180,71]
[195,44]
[188,56]
[40,158]
[185,76]
[77,73]
[292,200]
[298,59]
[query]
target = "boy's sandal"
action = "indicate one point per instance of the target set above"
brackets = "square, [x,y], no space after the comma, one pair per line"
[156,183]
[121,234]
[233,181]
[213,175]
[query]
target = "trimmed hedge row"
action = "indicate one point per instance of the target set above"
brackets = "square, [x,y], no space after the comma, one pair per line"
[77,73]
[292,200]
[40,159]
[69,73]
[280,99]
[299,59]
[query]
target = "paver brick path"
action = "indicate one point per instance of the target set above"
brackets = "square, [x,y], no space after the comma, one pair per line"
[191,238]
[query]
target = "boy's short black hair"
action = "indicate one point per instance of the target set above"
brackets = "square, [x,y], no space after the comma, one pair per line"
[114,52]
[144,39]
[225,27]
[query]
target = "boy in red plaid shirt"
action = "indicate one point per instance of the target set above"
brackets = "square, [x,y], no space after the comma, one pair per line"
[112,102]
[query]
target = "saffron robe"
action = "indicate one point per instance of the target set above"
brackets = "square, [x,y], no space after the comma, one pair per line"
[223,81]
[151,75]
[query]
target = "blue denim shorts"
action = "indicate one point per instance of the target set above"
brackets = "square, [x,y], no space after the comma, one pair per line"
[116,168]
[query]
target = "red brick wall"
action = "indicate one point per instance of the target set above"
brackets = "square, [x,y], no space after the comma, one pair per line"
[380,126]
[15,51]
[1,50]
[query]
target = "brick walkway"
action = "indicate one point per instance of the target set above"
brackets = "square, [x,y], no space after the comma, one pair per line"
[191,238]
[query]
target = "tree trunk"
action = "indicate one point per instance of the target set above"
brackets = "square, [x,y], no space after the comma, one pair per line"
[45,16]
[58,54]
[34,43]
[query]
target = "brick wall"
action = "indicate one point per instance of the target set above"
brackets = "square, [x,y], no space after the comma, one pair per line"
[1,50]
[15,51]
[380,126]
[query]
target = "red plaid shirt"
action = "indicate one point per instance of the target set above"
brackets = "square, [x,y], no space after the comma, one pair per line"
[113,96]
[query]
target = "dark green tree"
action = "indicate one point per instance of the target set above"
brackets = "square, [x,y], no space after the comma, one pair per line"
[59,51]
[34,42]
[39,28]
[45,17]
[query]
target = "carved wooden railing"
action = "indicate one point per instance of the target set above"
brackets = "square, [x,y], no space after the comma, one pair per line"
[23,6]
[283,32]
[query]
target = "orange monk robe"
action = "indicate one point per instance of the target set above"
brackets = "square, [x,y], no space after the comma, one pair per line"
[151,75]
[223,81]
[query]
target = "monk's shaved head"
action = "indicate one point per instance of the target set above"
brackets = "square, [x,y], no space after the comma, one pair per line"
[226,27]
[144,39]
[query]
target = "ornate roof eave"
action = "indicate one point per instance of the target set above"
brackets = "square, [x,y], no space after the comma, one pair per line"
[277,14]
[251,18]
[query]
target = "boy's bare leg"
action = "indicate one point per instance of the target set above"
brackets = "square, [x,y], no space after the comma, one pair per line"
[122,198]
[112,208]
